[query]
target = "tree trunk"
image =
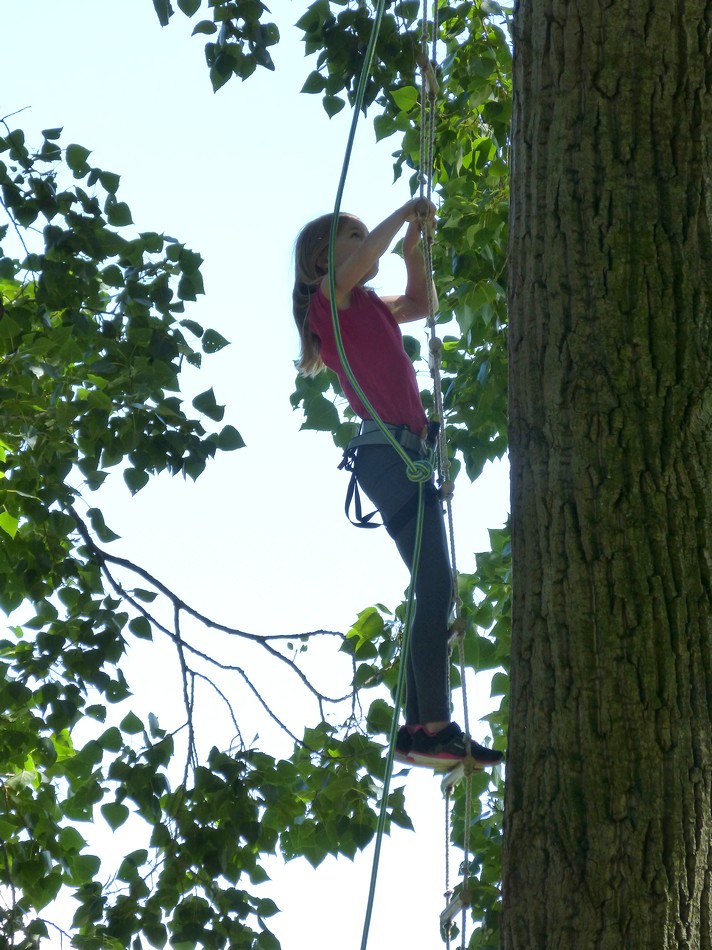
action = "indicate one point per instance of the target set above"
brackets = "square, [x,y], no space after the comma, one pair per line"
[608,811]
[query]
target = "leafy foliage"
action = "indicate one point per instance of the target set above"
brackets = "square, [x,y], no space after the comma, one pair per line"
[93,338]
[241,39]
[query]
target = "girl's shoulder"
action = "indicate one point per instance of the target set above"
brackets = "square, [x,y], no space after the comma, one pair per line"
[362,302]
[367,299]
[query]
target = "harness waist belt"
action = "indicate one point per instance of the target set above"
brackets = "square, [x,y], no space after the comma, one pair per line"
[370,434]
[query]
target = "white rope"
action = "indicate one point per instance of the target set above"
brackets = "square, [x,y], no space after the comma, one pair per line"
[428,99]
[448,890]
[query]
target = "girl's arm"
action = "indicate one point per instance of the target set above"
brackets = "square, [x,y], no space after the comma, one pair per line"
[359,264]
[413,304]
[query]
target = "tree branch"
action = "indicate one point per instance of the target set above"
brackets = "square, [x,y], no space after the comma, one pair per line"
[102,558]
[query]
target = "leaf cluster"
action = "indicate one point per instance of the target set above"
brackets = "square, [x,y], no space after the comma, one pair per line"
[91,344]
[241,38]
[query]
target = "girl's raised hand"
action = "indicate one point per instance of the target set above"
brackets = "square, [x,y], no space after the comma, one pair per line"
[419,209]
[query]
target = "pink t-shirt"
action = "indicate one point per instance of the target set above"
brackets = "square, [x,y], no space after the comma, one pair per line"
[374,349]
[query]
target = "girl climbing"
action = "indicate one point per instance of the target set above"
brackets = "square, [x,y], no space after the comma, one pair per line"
[374,349]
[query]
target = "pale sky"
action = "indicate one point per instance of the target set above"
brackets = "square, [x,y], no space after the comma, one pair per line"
[260,542]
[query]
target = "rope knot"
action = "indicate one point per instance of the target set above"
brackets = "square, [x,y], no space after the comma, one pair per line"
[447,489]
[419,470]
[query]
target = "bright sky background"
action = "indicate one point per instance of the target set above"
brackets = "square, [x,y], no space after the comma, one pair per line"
[260,542]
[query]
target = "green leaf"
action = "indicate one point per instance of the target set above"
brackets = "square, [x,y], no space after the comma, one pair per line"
[164,11]
[205,403]
[98,524]
[109,181]
[8,268]
[118,213]
[154,729]
[111,739]
[206,27]
[405,98]
[500,684]
[115,814]
[9,328]
[267,941]
[145,596]
[315,82]
[383,126]
[380,717]
[128,870]
[368,626]
[195,328]
[113,276]
[320,414]
[213,341]
[189,7]
[141,628]
[135,478]
[71,840]
[82,869]
[333,105]
[8,523]
[156,934]
[76,157]
[492,8]
[131,724]
[230,439]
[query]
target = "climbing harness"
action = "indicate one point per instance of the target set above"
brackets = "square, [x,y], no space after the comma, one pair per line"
[371,434]
[418,461]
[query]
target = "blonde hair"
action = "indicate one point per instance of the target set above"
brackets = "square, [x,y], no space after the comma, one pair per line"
[310,267]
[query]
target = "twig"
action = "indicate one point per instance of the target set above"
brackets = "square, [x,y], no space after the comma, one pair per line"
[320,697]
[261,701]
[191,756]
[11,114]
[224,698]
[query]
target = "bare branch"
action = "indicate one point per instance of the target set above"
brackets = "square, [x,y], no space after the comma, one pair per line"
[103,557]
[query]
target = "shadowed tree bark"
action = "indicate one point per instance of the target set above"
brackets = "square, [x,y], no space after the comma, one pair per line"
[608,821]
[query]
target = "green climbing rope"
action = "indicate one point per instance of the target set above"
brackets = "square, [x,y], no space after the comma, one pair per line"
[381,823]
[418,470]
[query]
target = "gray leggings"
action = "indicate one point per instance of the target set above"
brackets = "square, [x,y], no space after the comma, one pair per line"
[381,474]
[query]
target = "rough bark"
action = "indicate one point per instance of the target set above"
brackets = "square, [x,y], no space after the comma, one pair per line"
[609,774]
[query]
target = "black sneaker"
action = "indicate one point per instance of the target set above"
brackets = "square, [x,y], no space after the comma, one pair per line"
[448,747]
[404,745]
